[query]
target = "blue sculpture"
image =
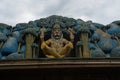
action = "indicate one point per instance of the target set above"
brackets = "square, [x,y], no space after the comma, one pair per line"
[10,46]
[91,39]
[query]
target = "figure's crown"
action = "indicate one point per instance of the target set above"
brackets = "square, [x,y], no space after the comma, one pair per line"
[56,22]
[56,25]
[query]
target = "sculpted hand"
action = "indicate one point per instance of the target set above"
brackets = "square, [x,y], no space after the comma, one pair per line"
[42,33]
[70,31]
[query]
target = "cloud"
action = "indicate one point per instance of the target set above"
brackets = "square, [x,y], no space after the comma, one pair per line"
[19,11]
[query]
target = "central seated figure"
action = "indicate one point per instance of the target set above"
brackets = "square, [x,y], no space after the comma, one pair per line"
[56,46]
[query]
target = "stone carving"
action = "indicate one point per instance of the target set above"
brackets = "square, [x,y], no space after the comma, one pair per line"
[83,39]
[56,46]
[30,34]
[83,31]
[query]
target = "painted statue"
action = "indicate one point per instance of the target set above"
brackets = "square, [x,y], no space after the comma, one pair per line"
[56,46]
[92,40]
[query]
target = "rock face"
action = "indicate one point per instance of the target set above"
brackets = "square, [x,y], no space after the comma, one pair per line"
[104,39]
[15,56]
[10,46]
[115,52]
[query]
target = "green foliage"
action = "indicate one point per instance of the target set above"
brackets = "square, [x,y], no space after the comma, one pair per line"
[32,30]
[49,21]
[2,25]
[3,37]
[80,43]
[34,45]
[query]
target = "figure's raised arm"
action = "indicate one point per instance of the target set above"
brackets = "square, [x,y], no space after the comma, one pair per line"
[42,34]
[70,31]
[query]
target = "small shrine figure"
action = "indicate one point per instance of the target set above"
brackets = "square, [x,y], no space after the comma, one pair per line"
[56,46]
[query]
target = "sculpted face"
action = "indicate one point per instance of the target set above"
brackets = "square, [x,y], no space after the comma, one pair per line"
[57,32]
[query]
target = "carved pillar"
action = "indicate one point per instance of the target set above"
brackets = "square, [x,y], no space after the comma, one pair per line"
[79,47]
[118,41]
[34,47]
[29,41]
[84,39]
[1,44]
[19,47]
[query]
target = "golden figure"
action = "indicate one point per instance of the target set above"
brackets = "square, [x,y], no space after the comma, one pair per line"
[56,46]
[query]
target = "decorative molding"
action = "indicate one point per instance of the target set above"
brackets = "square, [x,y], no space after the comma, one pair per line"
[60,63]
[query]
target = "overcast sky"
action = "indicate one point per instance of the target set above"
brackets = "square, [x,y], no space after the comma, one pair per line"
[20,11]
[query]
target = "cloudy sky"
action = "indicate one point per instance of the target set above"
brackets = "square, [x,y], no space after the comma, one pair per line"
[20,11]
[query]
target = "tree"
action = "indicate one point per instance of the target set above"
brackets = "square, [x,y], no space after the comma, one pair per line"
[30,34]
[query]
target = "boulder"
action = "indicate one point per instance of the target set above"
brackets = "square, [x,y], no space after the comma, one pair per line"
[115,52]
[10,46]
[15,56]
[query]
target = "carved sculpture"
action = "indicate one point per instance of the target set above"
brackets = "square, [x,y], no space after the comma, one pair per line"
[56,46]
[83,31]
[30,35]
[72,37]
